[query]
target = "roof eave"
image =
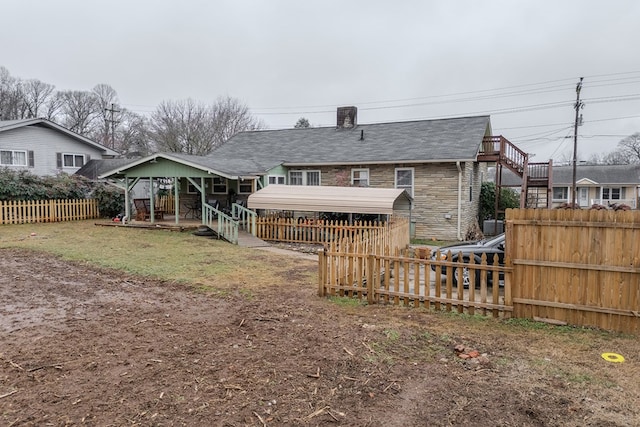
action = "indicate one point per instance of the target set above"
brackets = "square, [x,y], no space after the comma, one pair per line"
[370,162]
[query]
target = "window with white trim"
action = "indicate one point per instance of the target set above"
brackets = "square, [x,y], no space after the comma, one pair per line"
[220,185]
[72,160]
[13,158]
[245,186]
[304,178]
[276,179]
[612,193]
[560,193]
[360,177]
[404,179]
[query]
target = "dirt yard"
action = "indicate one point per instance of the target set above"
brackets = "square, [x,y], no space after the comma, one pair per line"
[85,346]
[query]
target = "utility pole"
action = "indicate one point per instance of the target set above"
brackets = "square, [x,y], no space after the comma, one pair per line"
[112,110]
[577,106]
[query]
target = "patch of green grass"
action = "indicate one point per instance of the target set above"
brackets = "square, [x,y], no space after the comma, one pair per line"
[426,336]
[392,334]
[209,265]
[580,378]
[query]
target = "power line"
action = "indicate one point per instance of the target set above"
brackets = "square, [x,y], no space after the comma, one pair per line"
[112,110]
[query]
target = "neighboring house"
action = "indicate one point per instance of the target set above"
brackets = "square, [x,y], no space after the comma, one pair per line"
[597,184]
[46,148]
[440,163]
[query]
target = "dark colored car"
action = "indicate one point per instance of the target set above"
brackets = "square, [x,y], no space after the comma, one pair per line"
[493,248]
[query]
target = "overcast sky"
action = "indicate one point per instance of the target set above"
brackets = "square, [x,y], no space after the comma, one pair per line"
[518,61]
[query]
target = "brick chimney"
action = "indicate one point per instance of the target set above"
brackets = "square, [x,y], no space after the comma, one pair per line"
[347,117]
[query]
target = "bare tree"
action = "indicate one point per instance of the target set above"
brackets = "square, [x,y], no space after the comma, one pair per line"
[36,95]
[613,158]
[231,117]
[108,114]
[132,135]
[195,128]
[10,96]
[53,106]
[629,147]
[302,122]
[79,111]
[182,127]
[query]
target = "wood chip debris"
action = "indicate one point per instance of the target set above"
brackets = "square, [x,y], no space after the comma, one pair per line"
[2,396]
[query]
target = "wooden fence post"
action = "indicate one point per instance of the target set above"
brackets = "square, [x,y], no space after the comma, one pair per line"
[370,278]
[322,272]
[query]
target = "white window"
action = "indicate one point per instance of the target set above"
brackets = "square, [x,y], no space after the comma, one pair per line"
[360,177]
[560,193]
[612,193]
[72,160]
[219,185]
[276,179]
[295,178]
[304,177]
[245,186]
[404,179]
[13,158]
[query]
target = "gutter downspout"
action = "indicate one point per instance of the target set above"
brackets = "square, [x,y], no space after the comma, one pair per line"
[459,199]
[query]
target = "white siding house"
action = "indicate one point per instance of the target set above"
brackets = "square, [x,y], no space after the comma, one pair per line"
[45,148]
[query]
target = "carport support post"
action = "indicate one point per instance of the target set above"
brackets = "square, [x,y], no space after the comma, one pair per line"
[176,200]
[203,199]
[152,201]
[127,200]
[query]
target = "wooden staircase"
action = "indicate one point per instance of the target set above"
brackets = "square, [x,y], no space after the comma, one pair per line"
[536,178]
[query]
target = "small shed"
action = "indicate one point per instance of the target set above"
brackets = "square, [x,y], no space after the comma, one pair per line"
[362,200]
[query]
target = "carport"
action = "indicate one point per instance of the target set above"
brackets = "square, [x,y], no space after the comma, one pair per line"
[362,200]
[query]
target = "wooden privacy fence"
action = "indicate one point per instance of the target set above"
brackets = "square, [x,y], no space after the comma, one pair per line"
[577,267]
[30,211]
[394,233]
[351,268]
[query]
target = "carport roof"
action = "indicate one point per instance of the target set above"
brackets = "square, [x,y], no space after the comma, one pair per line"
[365,200]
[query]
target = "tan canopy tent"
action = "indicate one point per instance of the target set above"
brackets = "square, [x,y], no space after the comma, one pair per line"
[363,200]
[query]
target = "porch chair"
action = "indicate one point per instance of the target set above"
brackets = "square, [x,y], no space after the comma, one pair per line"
[143,210]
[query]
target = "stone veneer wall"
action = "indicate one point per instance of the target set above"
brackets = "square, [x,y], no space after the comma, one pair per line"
[435,193]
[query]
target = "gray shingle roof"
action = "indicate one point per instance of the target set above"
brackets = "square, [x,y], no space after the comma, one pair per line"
[6,125]
[416,141]
[96,167]
[229,166]
[601,174]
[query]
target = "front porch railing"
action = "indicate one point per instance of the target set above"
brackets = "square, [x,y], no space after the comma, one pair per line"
[226,227]
[246,218]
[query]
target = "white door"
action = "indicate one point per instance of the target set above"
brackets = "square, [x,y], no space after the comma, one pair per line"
[583,197]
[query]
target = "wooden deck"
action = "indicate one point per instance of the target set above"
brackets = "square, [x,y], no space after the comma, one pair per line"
[245,239]
[534,176]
